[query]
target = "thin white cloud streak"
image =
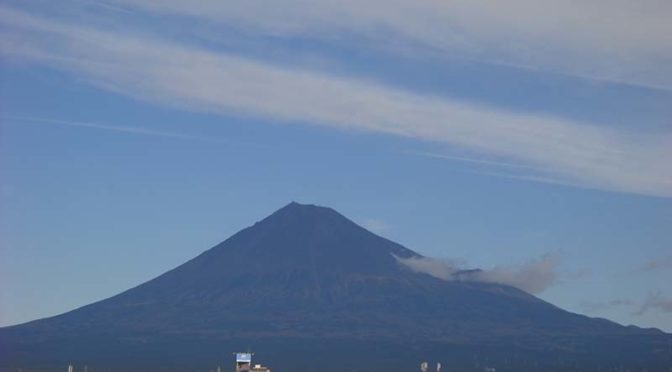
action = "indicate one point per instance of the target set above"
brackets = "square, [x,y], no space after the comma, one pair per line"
[495,163]
[534,276]
[542,176]
[130,130]
[106,5]
[530,178]
[204,81]
[615,40]
[116,128]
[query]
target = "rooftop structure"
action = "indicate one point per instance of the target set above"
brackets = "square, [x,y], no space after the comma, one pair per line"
[244,364]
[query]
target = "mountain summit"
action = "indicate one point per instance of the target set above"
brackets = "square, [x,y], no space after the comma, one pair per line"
[309,238]
[307,279]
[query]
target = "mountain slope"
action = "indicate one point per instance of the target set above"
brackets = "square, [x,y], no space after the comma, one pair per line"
[309,277]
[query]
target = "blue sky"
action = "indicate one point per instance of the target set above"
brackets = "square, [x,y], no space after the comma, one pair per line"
[531,140]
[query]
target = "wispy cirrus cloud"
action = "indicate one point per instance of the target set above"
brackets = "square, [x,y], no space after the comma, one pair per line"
[115,128]
[582,38]
[151,69]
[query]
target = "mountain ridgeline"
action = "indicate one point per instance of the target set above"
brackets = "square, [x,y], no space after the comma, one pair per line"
[306,285]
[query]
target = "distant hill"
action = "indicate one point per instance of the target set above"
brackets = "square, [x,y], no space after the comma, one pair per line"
[306,285]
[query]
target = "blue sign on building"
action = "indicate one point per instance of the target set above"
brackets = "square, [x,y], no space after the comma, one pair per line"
[243,357]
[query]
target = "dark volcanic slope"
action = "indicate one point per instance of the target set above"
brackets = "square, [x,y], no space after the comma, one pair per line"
[308,273]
